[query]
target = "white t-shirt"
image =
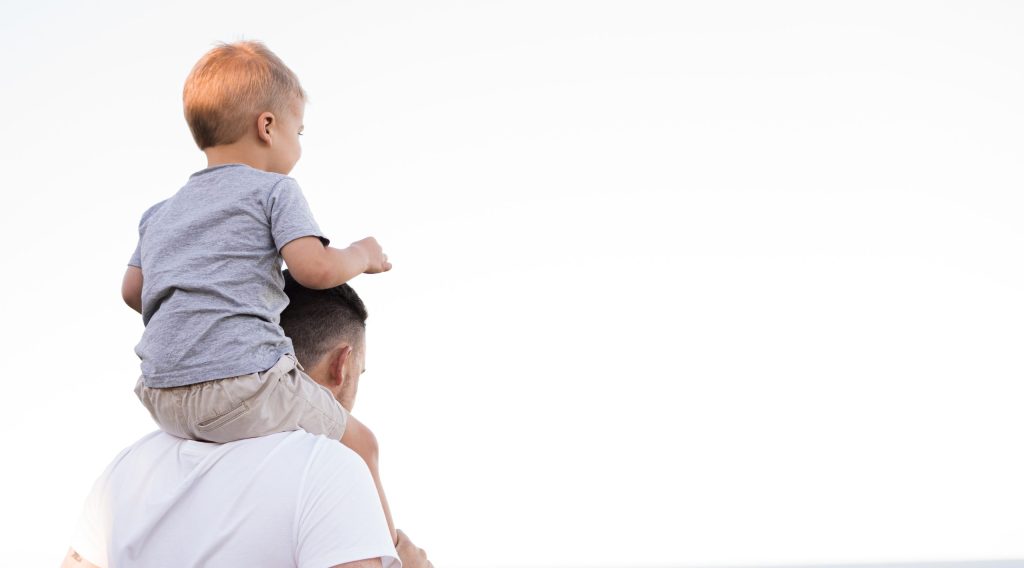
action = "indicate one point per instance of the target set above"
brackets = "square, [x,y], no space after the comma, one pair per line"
[290,499]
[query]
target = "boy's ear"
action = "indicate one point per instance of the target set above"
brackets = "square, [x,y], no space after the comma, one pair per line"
[264,125]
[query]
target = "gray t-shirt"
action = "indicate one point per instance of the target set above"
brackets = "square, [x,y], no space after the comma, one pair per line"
[213,291]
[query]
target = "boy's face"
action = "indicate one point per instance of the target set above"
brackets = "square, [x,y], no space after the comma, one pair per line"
[286,149]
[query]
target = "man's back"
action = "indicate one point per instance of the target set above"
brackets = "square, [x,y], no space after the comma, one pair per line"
[290,499]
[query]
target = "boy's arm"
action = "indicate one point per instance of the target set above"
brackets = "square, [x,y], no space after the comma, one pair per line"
[318,267]
[131,288]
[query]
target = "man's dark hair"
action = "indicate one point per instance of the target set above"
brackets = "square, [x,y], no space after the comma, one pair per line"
[316,320]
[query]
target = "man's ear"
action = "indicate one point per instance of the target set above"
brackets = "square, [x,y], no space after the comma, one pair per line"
[338,360]
[264,124]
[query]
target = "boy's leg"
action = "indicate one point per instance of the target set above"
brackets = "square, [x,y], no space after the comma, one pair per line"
[163,405]
[220,411]
[247,406]
[323,414]
[361,440]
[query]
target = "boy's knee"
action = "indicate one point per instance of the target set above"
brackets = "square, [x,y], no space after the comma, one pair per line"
[362,441]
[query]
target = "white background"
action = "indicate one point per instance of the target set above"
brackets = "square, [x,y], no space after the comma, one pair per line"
[691,283]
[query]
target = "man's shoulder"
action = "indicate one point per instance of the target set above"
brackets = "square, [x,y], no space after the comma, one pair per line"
[163,439]
[332,453]
[291,483]
[176,464]
[318,467]
[316,447]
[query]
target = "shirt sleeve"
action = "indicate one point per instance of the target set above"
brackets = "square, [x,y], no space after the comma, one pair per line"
[136,259]
[290,217]
[339,517]
[92,535]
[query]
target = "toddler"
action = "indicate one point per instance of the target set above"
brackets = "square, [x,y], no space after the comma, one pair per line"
[206,274]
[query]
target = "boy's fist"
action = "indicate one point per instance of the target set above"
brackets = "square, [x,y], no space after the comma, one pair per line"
[376,260]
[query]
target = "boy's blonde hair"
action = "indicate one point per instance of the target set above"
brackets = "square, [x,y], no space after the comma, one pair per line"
[231,85]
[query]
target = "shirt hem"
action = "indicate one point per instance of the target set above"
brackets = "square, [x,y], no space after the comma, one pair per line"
[204,375]
[336,558]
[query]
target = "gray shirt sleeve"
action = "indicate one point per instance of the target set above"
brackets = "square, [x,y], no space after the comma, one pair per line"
[136,259]
[290,217]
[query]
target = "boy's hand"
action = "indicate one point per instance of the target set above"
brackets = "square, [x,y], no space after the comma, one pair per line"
[318,267]
[376,260]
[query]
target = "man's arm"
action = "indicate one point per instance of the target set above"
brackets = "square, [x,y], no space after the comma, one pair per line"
[318,267]
[75,560]
[131,288]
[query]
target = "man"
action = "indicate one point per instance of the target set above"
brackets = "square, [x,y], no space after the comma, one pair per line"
[289,499]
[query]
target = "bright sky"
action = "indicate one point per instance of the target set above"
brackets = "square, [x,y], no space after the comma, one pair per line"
[675,283]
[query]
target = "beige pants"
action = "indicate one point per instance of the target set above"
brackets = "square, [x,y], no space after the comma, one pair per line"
[280,399]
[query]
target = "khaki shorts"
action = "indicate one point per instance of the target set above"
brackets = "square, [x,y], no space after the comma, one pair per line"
[280,399]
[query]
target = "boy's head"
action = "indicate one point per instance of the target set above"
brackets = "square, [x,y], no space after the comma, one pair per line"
[232,86]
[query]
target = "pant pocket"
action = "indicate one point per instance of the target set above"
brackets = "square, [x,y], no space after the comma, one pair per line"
[224,419]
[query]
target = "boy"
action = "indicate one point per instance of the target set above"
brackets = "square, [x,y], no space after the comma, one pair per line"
[206,274]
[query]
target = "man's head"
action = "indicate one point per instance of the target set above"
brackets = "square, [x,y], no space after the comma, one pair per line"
[243,93]
[328,331]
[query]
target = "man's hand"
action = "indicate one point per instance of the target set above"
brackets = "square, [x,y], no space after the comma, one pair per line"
[376,260]
[75,560]
[410,555]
